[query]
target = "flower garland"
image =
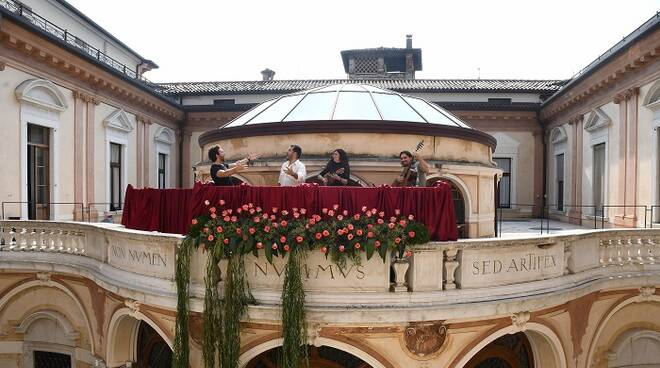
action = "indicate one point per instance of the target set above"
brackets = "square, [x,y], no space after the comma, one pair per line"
[228,233]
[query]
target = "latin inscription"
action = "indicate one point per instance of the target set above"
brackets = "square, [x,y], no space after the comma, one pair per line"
[526,263]
[141,257]
[315,272]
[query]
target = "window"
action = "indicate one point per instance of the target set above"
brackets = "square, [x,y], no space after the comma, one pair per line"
[115,176]
[47,359]
[38,174]
[505,182]
[162,159]
[599,178]
[560,182]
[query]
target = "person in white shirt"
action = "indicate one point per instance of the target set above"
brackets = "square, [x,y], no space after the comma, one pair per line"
[293,171]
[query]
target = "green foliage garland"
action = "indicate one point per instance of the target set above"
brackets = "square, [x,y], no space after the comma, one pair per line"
[231,233]
[294,328]
[237,297]
[181,348]
[212,313]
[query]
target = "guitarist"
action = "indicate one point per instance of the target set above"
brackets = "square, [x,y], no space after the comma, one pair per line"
[414,170]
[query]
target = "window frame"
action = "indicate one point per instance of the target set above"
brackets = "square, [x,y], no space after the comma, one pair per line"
[505,175]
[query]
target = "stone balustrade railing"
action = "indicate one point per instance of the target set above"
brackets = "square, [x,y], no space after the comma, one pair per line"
[127,261]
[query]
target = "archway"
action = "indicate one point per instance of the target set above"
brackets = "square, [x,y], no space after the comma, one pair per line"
[541,345]
[319,357]
[508,351]
[458,196]
[133,338]
[328,351]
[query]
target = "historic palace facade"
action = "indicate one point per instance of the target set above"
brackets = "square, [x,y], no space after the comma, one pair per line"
[80,122]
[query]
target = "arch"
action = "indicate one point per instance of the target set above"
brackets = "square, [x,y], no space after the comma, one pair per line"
[558,135]
[603,322]
[542,339]
[122,335]
[38,283]
[625,343]
[463,189]
[247,356]
[652,98]
[42,93]
[58,317]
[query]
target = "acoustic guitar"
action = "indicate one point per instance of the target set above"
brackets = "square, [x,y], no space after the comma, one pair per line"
[409,176]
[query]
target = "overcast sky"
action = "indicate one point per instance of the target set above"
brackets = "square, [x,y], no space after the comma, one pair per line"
[234,40]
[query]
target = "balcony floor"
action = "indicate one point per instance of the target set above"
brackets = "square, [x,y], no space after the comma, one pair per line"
[528,227]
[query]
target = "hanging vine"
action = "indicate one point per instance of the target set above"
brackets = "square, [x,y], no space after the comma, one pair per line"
[231,233]
[237,297]
[212,313]
[181,348]
[294,328]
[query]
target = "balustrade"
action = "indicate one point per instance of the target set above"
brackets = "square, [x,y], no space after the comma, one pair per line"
[433,267]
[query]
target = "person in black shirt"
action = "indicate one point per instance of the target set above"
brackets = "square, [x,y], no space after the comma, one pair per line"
[337,171]
[221,172]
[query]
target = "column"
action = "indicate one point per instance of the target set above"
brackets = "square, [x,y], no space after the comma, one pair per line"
[623,141]
[187,175]
[90,147]
[575,211]
[78,153]
[146,165]
[631,96]
[138,152]
[538,172]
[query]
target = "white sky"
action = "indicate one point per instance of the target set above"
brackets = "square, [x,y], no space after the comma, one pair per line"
[236,39]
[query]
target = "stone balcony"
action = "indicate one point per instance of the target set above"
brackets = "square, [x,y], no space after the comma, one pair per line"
[492,276]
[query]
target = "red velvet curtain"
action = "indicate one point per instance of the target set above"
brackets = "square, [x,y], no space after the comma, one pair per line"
[171,210]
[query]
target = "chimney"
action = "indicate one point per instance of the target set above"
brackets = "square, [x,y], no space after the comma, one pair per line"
[267,74]
[409,41]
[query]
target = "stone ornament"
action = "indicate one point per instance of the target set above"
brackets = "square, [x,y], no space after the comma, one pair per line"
[425,338]
[133,306]
[520,319]
[646,292]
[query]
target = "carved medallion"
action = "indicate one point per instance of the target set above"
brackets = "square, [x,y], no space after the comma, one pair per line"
[196,328]
[425,338]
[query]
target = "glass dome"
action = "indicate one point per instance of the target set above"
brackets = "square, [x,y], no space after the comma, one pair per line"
[347,101]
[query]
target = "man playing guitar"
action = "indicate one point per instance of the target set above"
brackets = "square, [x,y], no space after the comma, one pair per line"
[414,170]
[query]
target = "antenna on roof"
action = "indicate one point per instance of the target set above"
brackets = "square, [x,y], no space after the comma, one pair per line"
[479,73]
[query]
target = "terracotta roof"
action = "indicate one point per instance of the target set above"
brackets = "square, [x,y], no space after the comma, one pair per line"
[414,85]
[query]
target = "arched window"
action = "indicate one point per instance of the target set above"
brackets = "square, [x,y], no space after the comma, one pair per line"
[508,351]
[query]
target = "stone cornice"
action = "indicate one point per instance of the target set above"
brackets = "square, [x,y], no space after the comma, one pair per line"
[36,48]
[638,58]
[497,115]
[85,97]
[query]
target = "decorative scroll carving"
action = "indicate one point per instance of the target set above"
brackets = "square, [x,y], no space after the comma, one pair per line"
[646,292]
[520,319]
[44,278]
[133,306]
[313,334]
[196,328]
[425,338]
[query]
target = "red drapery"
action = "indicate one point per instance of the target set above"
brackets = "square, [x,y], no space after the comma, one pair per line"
[171,210]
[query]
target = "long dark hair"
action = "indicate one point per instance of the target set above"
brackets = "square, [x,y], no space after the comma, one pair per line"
[343,157]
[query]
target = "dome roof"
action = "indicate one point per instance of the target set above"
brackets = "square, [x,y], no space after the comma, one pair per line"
[344,102]
[347,108]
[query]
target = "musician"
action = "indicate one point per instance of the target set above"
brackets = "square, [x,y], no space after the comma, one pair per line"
[221,172]
[293,171]
[337,171]
[414,167]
